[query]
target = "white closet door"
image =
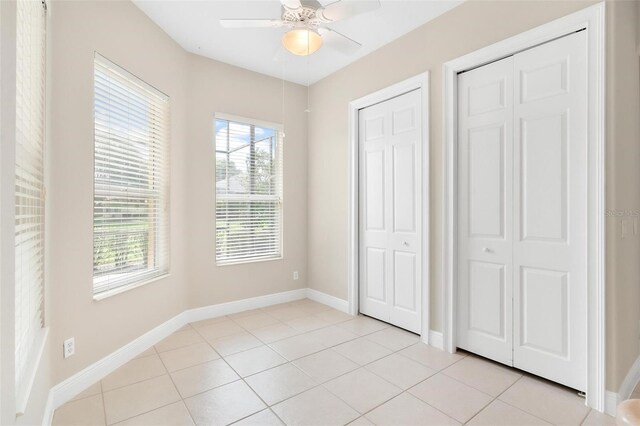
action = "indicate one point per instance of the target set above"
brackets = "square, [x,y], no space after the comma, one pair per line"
[485,193]
[390,135]
[550,212]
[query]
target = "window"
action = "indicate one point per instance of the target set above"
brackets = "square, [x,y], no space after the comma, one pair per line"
[248,191]
[29,193]
[131,173]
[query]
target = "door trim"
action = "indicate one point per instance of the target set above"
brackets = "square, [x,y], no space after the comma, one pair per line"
[591,19]
[420,81]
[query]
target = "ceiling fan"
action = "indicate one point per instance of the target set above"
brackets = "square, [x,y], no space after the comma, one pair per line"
[306,23]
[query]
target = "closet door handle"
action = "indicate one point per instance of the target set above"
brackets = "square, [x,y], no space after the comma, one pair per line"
[486,250]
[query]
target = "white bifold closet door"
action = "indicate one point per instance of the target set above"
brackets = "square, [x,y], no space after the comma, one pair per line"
[522,210]
[390,200]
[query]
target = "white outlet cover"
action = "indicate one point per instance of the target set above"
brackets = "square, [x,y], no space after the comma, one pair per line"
[296,275]
[69,347]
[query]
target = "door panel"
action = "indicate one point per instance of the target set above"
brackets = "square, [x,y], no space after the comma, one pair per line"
[404,188]
[390,182]
[375,193]
[522,210]
[374,259]
[543,187]
[487,299]
[550,216]
[404,281]
[545,330]
[486,178]
[485,126]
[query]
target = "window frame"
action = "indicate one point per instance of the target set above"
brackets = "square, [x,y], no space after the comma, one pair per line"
[20,385]
[280,136]
[137,278]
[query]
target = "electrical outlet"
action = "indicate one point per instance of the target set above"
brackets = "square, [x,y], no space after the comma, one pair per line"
[296,275]
[69,347]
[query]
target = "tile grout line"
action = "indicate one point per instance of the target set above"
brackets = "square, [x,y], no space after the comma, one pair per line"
[157,353]
[497,398]
[363,366]
[167,373]
[406,391]
[252,390]
[148,411]
[137,381]
[292,362]
[178,390]
[318,384]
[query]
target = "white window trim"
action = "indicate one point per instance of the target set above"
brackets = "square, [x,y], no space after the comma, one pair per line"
[280,129]
[20,392]
[139,278]
[23,390]
[124,288]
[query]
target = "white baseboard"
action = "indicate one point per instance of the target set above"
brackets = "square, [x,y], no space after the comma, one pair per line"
[326,299]
[436,339]
[630,381]
[610,403]
[69,388]
[212,311]
[48,410]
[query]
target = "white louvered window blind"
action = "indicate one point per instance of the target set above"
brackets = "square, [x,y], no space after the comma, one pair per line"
[131,180]
[29,192]
[248,191]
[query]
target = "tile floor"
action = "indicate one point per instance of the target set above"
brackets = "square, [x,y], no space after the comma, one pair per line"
[304,363]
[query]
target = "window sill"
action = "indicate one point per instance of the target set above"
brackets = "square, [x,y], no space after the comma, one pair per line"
[109,293]
[244,261]
[23,390]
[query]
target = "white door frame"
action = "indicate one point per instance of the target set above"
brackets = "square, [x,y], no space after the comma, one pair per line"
[591,19]
[420,81]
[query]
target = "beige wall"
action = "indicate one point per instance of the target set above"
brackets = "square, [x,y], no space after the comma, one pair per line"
[215,87]
[315,173]
[623,193]
[197,88]
[119,31]
[40,389]
[471,26]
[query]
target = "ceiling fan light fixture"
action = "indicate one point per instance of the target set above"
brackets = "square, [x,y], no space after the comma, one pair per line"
[302,41]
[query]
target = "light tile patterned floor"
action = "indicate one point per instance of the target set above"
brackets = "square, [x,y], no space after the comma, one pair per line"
[304,363]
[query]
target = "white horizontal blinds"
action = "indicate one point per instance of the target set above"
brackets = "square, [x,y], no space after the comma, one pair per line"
[29,183]
[130,206]
[248,192]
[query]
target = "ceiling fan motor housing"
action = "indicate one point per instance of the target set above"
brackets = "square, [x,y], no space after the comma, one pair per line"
[304,15]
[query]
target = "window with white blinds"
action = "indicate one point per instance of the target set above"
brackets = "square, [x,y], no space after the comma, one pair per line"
[131,180]
[248,191]
[29,189]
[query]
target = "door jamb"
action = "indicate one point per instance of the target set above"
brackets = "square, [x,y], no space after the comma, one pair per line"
[420,81]
[593,20]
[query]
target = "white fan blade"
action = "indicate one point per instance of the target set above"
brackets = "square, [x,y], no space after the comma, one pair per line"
[339,41]
[291,4]
[251,23]
[343,9]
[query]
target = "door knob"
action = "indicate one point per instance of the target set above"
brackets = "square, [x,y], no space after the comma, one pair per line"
[406,244]
[486,250]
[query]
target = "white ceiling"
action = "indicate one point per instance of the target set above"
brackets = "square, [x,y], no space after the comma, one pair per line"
[195,26]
